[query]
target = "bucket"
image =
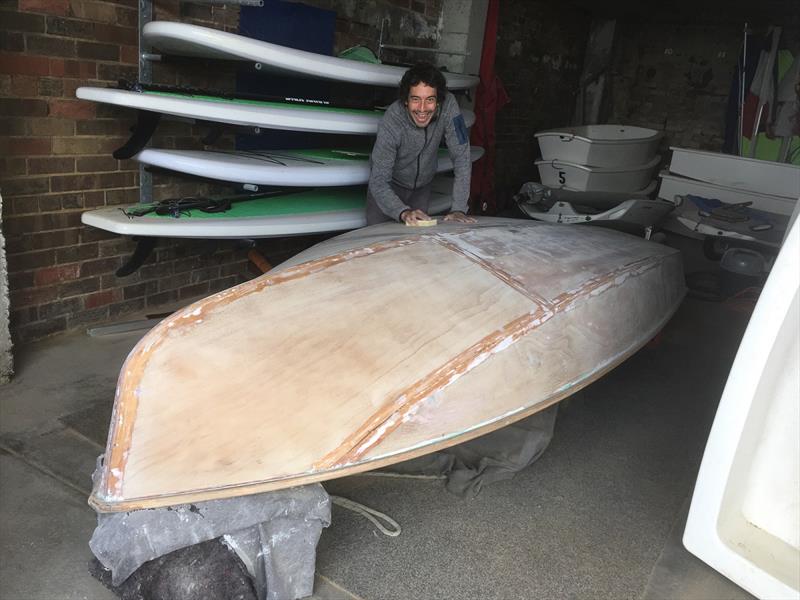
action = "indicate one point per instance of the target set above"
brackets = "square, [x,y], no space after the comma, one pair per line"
[740,269]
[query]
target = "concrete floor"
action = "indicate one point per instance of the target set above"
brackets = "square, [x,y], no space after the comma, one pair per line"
[600,515]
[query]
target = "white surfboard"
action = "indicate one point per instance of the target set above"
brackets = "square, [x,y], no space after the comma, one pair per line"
[192,40]
[314,211]
[323,167]
[247,113]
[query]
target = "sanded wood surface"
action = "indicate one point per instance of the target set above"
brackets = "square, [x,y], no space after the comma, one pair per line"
[396,343]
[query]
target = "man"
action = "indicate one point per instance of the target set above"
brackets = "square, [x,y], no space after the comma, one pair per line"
[405,154]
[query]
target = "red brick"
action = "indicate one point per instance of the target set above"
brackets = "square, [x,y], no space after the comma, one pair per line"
[93,181]
[60,308]
[79,287]
[85,145]
[13,107]
[74,109]
[14,20]
[96,51]
[103,127]
[115,72]
[51,164]
[25,146]
[125,308]
[12,125]
[94,11]
[130,18]
[88,317]
[122,196]
[23,186]
[12,41]
[73,68]
[51,87]
[50,239]
[116,35]
[93,164]
[140,289]
[33,296]
[101,265]
[18,64]
[70,85]
[24,86]
[49,126]
[76,253]
[129,55]
[50,275]
[93,199]
[10,167]
[20,206]
[50,7]
[73,28]
[48,45]
[92,234]
[101,298]
[122,246]
[162,298]
[24,316]
[40,329]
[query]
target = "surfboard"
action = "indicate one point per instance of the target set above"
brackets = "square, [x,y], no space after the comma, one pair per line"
[183,39]
[314,371]
[313,211]
[247,113]
[321,167]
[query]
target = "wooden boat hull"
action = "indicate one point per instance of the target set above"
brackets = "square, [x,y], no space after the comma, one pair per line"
[375,347]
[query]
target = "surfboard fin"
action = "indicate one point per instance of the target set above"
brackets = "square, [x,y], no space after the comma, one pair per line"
[146,124]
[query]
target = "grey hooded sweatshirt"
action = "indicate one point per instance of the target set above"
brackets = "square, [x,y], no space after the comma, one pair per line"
[405,155]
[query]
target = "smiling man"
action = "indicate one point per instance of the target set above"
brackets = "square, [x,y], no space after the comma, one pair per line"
[404,157]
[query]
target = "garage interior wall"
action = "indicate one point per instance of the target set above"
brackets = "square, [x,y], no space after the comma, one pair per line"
[55,151]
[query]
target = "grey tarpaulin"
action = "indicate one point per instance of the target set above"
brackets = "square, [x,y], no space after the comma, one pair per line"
[493,457]
[274,533]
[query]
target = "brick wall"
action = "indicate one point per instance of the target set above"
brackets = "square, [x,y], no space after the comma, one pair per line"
[676,75]
[56,162]
[540,52]
[55,156]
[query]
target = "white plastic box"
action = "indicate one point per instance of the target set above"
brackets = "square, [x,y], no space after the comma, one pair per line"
[559,174]
[600,145]
[749,174]
[673,185]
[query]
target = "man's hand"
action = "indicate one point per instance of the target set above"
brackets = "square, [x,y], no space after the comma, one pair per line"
[410,217]
[459,217]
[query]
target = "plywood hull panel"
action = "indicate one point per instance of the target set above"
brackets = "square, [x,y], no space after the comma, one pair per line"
[384,344]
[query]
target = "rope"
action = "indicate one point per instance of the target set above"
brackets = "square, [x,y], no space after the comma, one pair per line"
[371,515]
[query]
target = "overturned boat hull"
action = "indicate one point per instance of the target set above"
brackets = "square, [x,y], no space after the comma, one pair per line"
[375,347]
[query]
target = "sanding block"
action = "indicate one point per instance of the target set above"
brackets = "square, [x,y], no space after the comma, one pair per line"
[423,223]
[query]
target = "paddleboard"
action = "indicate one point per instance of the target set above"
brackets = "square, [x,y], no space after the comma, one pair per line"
[314,211]
[183,39]
[314,371]
[323,167]
[247,113]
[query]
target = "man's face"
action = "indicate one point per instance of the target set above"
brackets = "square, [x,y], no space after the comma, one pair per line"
[421,104]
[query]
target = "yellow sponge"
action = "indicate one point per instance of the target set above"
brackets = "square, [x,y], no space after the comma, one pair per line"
[423,223]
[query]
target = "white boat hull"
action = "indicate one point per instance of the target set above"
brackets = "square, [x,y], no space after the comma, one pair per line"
[557,174]
[672,186]
[747,174]
[600,145]
[745,514]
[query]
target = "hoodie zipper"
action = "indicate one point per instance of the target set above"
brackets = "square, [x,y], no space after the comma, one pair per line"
[416,176]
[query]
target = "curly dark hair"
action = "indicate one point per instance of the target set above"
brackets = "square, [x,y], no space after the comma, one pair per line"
[423,72]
